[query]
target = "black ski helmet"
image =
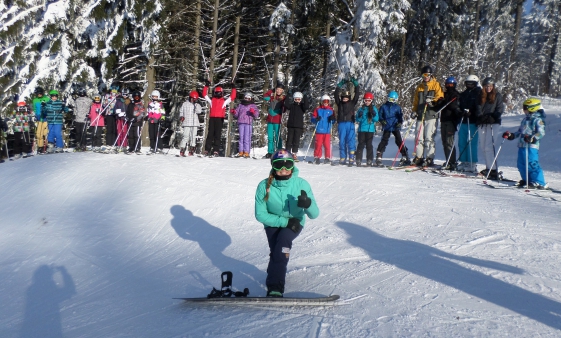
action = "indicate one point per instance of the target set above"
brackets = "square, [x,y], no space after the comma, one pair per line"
[487,81]
[426,69]
[136,96]
[82,92]
[346,94]
[39,91]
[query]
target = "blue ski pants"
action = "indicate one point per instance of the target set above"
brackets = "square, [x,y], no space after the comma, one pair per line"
[463,139]
[347,139]
[535,172]
[273,130]
[55,134]
[280,244]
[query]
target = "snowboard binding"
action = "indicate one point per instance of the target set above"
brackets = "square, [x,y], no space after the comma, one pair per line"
[226,289]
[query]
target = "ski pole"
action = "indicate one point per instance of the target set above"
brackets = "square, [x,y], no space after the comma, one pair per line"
[453,147]
[527,174]
[239,64]
[468,143]
[157,137]
[495,159]
[127,135]
[420,129]
[494,152]
[402,143]
[311,140]
[118,136]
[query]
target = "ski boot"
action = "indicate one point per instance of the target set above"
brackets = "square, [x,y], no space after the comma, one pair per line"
[429,162]
[182,152]
[405,161]
[378,159]
[191,151]
[351,160]
[274,294]
[268,155]
[326,161]
[240,154]
[316,160]
[370,164]
[418,161]
[343,161]
[358,163]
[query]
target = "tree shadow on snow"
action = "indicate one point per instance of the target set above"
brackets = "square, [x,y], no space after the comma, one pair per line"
[42,303]
[213,241]
[437,265]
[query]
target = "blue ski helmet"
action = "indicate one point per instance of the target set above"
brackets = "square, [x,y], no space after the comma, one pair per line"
[393,96]
[451,80]
[281,154]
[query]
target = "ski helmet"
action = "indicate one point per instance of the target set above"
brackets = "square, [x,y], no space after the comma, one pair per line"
[136,96]
[21,104]
[426,70]
[156,94]
[472,78]
[325,97]
[194,95]
[82,92]
[393,96]
[282,154]
[53,92]
[218,92]
[298,95]
[488,81]
[368,96]
[346,94]
[280,85]
[97,98]
[248,96]
[39,91]
[451,82]
[532,104]
[125,92]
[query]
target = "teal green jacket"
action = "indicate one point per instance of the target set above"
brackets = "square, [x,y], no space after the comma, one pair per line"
[282,202]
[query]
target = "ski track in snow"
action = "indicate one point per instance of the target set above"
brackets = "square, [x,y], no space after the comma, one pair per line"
[415,254]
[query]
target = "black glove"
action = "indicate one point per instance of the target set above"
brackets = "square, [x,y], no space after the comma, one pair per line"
[146,118]
[383,122]
[371,115]
[207,83]
[467,113]
[303,200]
[529,139]
[318,118]
[413,115]
[294,225]
[398,126]
[332,118]
[43,104]
[508,135]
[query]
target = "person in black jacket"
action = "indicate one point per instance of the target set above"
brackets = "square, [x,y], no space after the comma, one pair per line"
[346,121]
[489,122]
[470,100]
[450,116]
[295,123]
[136,113]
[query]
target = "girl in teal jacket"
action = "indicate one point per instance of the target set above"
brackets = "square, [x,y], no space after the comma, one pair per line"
[281,203]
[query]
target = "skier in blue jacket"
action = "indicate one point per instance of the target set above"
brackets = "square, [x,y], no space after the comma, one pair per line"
[391,118]
[366,117]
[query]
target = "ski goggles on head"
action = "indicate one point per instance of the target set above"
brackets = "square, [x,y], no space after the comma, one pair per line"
[287,164]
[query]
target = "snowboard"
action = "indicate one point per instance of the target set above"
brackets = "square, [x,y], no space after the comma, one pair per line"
[280,301]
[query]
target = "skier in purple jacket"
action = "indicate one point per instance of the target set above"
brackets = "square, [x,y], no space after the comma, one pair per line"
[245,112]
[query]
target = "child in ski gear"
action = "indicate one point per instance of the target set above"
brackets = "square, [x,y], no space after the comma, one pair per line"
[489,122]
[295,123]
[323,118]
[275,100]
[109,102]
[468,138]
[245,113]
[425,99]
[346,120]
[81,110]
[450,116]
[41,128]
[391,119]
[97,122]
[189,117]
[53,111]
[218,105]
[120,111]
[366,117]
[530,132]
[282,202]
[135,115]
[22,127]
[156,113]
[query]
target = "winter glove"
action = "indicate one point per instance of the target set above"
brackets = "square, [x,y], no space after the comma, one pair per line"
[508,135]
[207,83]
[251,110]
[145,118]
[318,118]
[332,118]
[529,139]
[303,200]
[354,81]
[182,119]
[232,111]
[294,225]
[163,118]
[341,83]
[383,122]
[429,102]
[43,104]
[398,126]
[467,113]
[413,115]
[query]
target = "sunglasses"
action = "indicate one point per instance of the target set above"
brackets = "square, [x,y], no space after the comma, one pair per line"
[426,74]
[286,164]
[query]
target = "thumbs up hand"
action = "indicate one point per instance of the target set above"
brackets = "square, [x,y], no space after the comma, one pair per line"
[303,200]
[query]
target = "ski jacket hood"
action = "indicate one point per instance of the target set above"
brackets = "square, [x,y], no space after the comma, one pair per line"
[282,203]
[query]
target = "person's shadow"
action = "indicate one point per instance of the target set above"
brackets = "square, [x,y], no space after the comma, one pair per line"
[213,241]
[42,303]
[437,265]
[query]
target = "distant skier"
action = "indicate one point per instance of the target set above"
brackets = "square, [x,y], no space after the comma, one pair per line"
[425,99]
[489,122]
[22,126]
[156,113]
[470,104]
[121,103]
[530,132]
[346,121]
[189,117]
[323,118]
[366,117]
[245,113]
[282,202]
[53,112]
[109,103]
[218,106]
[295,124]
[450,117]
[97,123]
[275,100]
[136,112]
[82,108]
[391,118]
[41,128]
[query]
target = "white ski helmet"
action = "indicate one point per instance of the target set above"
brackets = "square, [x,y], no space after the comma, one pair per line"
[248,95]
[155,93]
[325,97]
[298,95]
[472,78]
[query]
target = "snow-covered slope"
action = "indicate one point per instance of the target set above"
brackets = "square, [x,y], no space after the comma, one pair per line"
[96,245]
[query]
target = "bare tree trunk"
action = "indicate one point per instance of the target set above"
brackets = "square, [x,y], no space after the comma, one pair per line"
[516,38]
[553,55]
[228,151]
[151,80]
[326,50]
[197,44]
[289,47]
[211,66]
[277,58]
[475,33]
[402,53]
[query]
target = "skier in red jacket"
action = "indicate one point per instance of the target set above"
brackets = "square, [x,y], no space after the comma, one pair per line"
[218,105]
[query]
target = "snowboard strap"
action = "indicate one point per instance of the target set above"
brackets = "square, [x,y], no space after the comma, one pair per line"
[226,289]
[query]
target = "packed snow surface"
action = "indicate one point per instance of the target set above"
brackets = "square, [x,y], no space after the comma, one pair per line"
[95,245]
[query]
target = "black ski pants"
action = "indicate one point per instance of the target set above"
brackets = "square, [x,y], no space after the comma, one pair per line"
[386,137]
[365,139]
[280,244]
[215,125]
[447,133]
[22,142]
[293,139]
[79,127]
[154,133]
[134,135]
[110,130]
[96,136]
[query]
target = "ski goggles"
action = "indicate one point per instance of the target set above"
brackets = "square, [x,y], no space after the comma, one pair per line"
[286,164]
[391,99]
[426,74]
